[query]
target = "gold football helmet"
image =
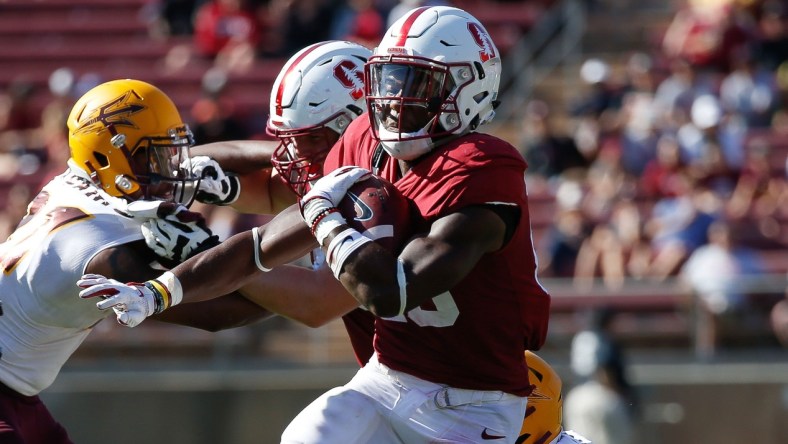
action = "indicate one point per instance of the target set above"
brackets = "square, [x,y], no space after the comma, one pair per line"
[542,422]
[128,136]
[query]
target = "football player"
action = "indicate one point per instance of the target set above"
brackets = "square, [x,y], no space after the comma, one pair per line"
[543,416]
[457,307]
[127,143]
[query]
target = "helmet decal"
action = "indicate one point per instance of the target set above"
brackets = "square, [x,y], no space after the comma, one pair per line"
[351,77]
[114,113]
[280,92]
[483,40]
[404,31]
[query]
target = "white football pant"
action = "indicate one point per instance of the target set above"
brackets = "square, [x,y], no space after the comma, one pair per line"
[383,406]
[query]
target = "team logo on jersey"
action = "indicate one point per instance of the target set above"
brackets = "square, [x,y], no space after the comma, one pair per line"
[484,41]
[350,77]
[116,112]
[363,211]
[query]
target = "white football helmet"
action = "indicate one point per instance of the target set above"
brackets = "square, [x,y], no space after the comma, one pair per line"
[435,73]
[320,87]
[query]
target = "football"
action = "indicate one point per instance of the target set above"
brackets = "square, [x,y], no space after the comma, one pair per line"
[377,209]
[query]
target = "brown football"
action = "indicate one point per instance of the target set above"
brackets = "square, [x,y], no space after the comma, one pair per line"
[376,208]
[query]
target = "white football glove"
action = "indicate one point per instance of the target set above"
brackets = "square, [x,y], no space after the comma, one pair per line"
[132,302]
[216,187]
[319,205]
[171,230]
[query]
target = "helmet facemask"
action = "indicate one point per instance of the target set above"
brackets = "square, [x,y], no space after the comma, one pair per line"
[299,157]
[162,167]
[412,103]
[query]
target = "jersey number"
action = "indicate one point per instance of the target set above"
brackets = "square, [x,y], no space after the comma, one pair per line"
[444,315]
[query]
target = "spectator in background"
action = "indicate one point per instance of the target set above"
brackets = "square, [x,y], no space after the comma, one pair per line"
[749,90]
[549,152]
[718,275]
[406,5]
[360,22]
[299,23]
[675,94]
[759,196]
[615,249]
[228,31]
[712,144]
[662,174]
[639,133]
[771,46]
[678,225]
[704,33]
[213,115]
[565,236]
[601,407]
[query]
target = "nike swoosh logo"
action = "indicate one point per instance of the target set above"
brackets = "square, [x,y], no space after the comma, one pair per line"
[487,436]
[363,211]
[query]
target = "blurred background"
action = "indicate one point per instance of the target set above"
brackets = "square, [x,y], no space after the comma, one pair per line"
[657,137]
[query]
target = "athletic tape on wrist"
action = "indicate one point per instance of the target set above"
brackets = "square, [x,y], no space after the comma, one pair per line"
[327,225]
[341,246]
[256,241]
[402,282]
[167,291]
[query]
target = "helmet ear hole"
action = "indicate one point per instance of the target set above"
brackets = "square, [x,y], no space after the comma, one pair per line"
[101,159]
[479,70]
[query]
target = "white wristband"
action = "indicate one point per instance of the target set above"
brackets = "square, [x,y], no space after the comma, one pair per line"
[402,282]
[341,246]
[325,226]
[169,280]
[256,241]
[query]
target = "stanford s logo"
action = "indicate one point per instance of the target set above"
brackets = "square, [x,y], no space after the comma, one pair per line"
[484,41]
[116,112]
[351,78]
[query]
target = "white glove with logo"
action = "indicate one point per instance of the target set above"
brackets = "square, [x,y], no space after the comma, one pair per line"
[132,302]
[216,187]
[171,230]
[319,205]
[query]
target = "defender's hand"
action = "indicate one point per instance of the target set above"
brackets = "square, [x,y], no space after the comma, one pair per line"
[132,302]
[216,187]
[172,231]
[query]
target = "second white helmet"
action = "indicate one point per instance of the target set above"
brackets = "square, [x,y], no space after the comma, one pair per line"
[321,86]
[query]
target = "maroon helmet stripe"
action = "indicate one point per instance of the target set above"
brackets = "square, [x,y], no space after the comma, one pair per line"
[405,30]
[281,91]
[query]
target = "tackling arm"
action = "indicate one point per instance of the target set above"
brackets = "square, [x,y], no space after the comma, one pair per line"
[129,262]
[261,190]
[239,156]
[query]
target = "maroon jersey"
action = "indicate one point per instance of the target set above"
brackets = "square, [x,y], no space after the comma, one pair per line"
[360,326]
[474,335]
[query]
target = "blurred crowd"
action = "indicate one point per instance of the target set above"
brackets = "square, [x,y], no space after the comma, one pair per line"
[669,164]
[667,144]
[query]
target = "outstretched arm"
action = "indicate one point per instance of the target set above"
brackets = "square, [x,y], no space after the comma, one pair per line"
[129,262]
[248,162]
[239,156]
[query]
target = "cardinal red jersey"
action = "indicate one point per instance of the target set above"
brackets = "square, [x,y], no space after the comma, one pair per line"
[472,336]
[360,326]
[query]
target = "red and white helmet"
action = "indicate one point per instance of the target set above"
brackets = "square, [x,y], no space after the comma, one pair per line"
[435,73]
[321,86]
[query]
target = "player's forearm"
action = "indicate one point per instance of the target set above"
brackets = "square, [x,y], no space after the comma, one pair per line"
[218,271]
[317,299]
[238,156]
